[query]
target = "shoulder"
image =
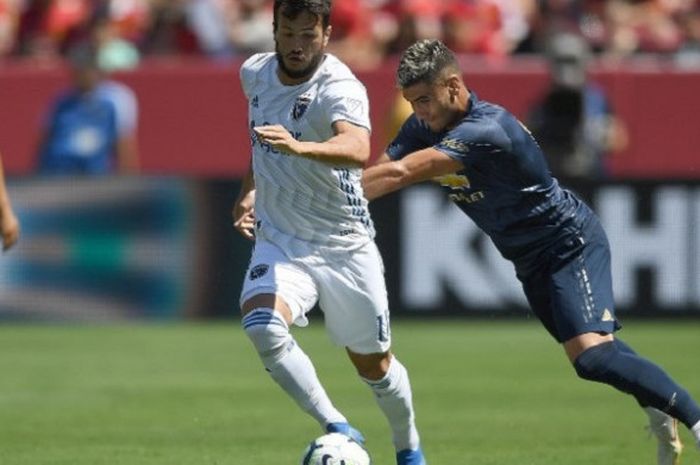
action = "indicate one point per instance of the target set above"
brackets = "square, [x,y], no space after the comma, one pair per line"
[117,91]
[487,124]
[336,76]
[333,68]
[254,65]
[115,87]
[256,62]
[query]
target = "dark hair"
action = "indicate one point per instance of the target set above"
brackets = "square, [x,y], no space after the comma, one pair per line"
[293,8]
[424,61]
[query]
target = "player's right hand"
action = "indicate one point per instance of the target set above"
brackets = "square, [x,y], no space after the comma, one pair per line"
[245,224]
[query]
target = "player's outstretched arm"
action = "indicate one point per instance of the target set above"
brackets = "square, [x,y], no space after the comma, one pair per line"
[383,178]
[243,211]
[383,158]
[349,145]
[9,225]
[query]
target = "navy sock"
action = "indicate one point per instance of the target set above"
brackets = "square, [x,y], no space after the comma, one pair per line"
[623,347]
[616,364]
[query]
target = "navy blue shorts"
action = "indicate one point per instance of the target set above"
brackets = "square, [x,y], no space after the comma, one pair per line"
[571,291]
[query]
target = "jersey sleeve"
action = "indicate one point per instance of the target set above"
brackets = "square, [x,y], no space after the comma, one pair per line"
[249,70]
[407,140]
[346,100]
[472,140]
[126,106]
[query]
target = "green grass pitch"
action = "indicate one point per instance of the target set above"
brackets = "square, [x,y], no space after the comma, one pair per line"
[486,393]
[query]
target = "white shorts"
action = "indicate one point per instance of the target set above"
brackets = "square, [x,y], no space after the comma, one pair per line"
[350,290]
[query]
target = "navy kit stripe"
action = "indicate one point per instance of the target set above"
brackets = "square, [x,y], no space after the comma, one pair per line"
[354,200]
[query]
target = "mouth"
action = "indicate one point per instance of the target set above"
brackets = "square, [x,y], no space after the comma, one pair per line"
[296,59]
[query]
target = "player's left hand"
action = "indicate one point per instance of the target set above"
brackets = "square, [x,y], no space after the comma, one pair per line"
[277,136]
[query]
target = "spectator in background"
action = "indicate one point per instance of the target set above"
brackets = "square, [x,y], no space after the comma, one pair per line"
[416,19]
[8,25]
[9,225]
[688,56]
[92,125]
[368,30]
[113,52]
[474,27]
[573,122]
[516,18]
[130,18]
[207,20]
[168,32]
[250,26]
[353,33]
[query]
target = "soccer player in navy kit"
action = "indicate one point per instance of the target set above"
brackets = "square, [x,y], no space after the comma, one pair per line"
[492,168]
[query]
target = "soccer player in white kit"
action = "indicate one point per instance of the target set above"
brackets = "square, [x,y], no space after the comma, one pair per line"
[303,203]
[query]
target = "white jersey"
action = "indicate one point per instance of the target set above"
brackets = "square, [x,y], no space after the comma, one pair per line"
[304,205]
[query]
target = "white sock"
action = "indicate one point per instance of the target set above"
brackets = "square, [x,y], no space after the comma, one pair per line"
[289,366]
[393,394]
[296,375]
[696,432]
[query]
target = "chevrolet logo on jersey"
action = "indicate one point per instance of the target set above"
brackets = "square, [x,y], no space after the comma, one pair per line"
[454,144]
[453,181]
[300,106]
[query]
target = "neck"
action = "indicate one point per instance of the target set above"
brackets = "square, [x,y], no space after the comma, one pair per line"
[464,99]
[288,80]
[457,112]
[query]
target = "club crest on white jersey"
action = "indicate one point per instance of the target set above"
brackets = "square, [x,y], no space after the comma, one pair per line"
[301,105]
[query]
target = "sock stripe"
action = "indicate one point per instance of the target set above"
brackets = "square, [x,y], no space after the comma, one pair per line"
[379,384]
[258,318]
[263,323]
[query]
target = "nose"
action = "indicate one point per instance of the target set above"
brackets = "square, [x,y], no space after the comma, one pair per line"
[296,45]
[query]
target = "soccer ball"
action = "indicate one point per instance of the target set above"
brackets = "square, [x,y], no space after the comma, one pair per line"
[335,449]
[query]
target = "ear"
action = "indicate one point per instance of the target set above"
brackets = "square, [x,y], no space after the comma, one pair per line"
[327,35]
[453,83]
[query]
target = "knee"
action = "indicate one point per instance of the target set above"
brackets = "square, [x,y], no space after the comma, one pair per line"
[592,364]
[268,332]
[372,367]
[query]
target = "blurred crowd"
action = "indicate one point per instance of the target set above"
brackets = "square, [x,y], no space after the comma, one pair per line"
[364,31]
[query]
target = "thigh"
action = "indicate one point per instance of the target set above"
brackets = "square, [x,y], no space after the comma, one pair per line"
[536,289]
[581,290]
[353,297]
[271,272]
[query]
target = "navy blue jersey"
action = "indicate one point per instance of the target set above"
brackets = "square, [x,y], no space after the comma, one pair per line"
[505,186]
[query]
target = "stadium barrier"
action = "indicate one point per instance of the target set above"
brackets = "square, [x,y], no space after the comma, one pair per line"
[119,248]
[193,113]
